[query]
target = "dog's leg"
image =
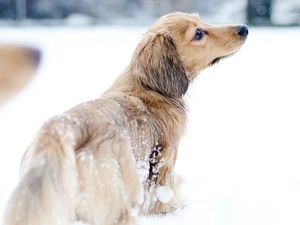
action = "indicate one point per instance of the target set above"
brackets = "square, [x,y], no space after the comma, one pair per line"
[166,192]
[46,193]
[109,184]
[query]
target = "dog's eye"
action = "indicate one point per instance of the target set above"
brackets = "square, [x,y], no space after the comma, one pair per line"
[199,34]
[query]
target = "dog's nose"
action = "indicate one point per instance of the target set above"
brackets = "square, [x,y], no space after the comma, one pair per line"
[243,31]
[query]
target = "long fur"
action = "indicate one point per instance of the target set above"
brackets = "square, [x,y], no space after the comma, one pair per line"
[102,161]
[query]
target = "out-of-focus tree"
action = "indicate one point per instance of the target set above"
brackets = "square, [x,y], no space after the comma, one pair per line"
[8,9]
[259,12]
[57,9]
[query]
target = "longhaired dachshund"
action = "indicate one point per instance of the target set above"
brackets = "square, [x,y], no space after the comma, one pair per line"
[111,159]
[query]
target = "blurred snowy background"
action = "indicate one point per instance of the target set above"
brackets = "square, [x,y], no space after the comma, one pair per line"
[83,12]
[241,153]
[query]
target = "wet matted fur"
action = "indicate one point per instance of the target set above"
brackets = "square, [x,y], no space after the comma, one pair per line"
[102,161]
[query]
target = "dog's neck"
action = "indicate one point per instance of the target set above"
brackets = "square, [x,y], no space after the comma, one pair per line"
[126,83]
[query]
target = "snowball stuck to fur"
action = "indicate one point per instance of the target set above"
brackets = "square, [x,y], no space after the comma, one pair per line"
[164,193]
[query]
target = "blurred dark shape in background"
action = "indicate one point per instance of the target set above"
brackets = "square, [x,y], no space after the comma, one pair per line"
[86,12]
[259,12]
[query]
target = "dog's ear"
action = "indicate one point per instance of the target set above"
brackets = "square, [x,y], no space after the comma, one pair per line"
[157,66]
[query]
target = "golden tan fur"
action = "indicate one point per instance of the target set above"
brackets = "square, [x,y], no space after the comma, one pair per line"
[102,161]
[17,65]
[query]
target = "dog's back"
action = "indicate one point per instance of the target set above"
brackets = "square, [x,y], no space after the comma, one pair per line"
[77,168]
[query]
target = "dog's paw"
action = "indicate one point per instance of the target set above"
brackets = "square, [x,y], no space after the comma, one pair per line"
[164,194]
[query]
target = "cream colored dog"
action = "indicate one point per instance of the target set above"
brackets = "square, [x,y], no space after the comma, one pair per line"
[106,160]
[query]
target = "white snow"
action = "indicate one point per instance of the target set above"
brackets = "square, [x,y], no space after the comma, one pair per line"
[164,193]
[79,223]
[241,153]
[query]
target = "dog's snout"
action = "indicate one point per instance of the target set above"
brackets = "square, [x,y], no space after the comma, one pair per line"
[243,31]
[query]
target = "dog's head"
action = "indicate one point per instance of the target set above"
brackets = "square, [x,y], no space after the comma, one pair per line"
[179,46]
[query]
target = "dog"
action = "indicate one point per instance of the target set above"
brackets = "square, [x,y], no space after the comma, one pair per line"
[111,159]
[17,66]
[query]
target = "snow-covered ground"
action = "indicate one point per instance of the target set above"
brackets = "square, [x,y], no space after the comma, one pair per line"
[241,153]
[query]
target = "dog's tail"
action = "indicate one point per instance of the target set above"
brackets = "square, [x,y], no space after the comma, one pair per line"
[46,193]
